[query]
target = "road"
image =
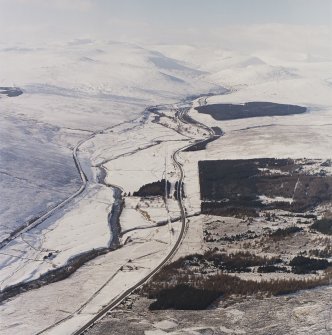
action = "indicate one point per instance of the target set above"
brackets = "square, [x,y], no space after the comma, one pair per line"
[125,294]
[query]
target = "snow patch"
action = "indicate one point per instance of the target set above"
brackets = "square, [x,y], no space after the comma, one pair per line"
[165,324]
[267,200]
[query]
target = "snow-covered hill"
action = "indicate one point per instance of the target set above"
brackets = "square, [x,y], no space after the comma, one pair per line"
[71,90]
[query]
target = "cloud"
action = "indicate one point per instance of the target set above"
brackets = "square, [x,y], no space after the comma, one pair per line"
[296,38]
[39,21]
[80,5]
[250,38]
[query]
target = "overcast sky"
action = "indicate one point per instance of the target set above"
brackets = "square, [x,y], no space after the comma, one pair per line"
[156,21]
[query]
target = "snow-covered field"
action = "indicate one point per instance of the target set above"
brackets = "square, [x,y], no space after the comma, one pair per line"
[79,227]
[305,135]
